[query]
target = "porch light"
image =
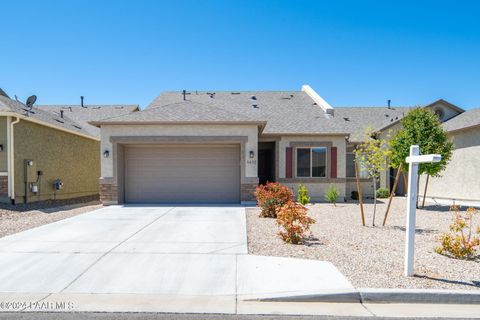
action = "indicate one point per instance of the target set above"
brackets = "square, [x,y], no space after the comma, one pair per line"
[106,154]
[252,154]
[1,147]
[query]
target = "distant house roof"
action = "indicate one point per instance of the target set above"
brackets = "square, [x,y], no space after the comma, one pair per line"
[83,115]
[285,112]
[465,120]
[44,117]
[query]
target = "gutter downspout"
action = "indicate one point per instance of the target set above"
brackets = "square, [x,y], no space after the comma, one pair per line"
[11,157]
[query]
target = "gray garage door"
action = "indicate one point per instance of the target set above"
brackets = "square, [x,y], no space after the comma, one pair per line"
[182,174]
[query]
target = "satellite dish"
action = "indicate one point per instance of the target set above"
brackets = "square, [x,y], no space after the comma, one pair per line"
[30,101]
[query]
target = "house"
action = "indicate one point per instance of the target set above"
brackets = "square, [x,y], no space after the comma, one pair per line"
[216,147]
[458,183]
[50,152]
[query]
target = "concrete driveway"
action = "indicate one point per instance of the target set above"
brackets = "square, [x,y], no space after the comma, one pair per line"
[142,258]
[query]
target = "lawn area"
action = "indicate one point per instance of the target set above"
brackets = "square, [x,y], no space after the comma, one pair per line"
[371,256]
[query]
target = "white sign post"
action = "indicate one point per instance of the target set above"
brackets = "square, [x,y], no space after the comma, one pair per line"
[413,161]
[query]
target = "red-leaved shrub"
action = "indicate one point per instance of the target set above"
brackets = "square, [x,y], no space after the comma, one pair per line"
[294,222]
[271,197]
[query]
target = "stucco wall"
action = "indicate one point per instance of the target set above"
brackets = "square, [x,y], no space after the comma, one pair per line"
[3,141]
[251,131]
[460,180]
[59,155]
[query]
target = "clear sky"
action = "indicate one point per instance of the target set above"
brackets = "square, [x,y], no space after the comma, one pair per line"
[353,53]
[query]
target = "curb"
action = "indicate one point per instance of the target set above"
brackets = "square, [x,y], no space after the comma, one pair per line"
[369,295]
[419,296]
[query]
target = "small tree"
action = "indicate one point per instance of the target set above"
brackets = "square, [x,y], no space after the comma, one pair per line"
[421,127]
[372,156]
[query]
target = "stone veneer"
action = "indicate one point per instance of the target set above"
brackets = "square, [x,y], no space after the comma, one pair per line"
[247,190]
[3,186]
[108,191]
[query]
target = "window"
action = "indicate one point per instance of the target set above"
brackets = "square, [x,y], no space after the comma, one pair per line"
[351,167]
[311,162]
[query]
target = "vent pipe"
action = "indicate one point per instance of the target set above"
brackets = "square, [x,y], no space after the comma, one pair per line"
[61,114]
[81,101]
[388,102]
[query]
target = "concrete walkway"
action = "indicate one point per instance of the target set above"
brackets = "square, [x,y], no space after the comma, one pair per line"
[154,258]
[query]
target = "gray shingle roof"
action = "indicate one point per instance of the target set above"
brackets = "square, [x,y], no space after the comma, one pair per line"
[9,105]
[469,118]
[83,115]
[286,112]
[183,111]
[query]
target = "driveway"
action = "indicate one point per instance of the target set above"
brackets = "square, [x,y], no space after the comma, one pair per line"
[135,258]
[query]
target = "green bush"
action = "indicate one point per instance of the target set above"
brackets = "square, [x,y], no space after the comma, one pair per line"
[331,195]
[354,195]
[302,196]
[382,193]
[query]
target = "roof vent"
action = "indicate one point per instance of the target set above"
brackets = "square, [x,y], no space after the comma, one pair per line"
[346,118]
[78,127]
[211,94]
[253,98]
[81,102]
[255,106]
[235,92]
[59,121]
[184,93]
[291,96]
[61,114]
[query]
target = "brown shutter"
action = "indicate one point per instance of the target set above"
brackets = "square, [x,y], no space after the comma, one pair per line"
[288,163]
[333,162]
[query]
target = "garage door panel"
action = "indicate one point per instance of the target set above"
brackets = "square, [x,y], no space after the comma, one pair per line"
[182,174]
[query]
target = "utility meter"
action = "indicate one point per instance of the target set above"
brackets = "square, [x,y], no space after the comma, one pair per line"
[57,184]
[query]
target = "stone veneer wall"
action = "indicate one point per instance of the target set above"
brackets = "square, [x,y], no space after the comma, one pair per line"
[3,186]
[108,191]
[247,190]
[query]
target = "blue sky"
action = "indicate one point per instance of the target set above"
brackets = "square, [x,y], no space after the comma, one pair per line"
[353,53]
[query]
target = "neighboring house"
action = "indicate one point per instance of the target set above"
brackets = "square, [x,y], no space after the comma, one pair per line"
[460,182]
[44,144]
[215,147]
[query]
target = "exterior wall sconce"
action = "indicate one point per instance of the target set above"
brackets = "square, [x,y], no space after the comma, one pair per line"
[29,163]
[252,154]
[106,154]
[1,147]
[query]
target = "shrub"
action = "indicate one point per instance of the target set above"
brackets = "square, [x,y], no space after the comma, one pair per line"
[294,222]
[303,197]
[382,193]
[354,195]
[463,240]
[271,197]
[331,195]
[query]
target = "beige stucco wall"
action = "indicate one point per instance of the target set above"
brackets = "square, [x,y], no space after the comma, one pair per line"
[461,178]
[59,155]
[3,141]
[250,131]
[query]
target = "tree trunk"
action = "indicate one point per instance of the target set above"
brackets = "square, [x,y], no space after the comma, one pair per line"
[359,191]
[394,188]
[425,191]
[374,199]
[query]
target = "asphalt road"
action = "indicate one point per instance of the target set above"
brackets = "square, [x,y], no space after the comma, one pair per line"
[165,316]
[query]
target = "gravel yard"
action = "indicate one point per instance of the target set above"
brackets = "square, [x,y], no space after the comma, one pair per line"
[22,217]
[371,256]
